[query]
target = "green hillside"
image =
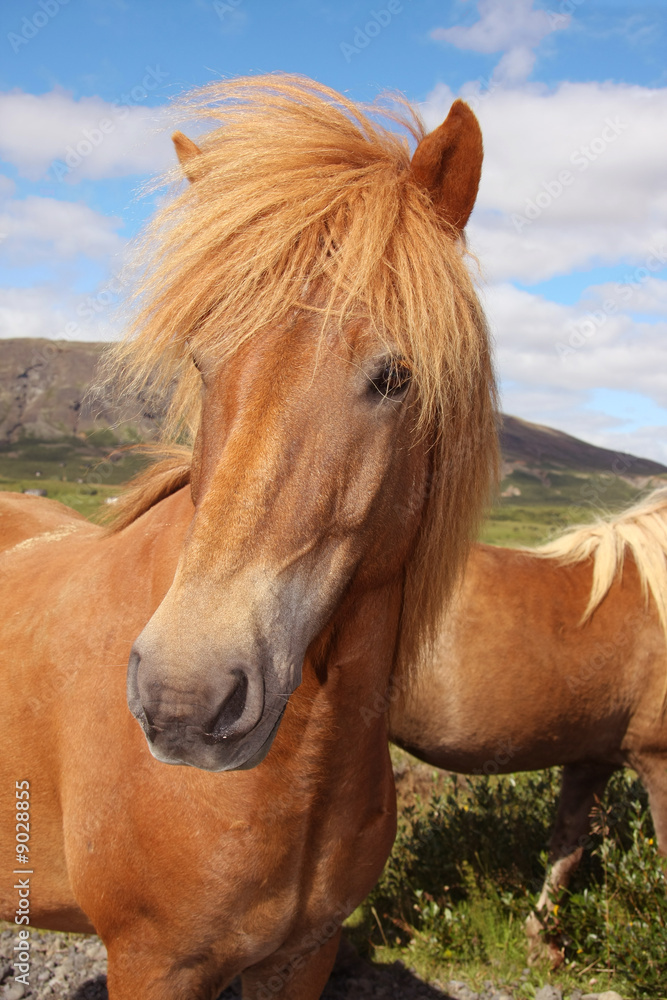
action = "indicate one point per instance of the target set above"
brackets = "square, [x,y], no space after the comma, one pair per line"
[81,472]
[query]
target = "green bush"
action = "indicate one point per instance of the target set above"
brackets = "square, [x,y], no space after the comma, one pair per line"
[468,865]
[620,918]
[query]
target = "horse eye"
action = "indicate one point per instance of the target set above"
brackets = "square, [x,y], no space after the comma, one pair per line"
[393,379]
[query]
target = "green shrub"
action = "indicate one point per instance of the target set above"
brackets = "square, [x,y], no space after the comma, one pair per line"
[468,865]
[620,918]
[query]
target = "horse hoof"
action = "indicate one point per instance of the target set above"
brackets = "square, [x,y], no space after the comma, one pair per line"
[542,950]
[555,955]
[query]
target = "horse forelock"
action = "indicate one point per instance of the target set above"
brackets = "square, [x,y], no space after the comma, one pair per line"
[303,202]
[640,531]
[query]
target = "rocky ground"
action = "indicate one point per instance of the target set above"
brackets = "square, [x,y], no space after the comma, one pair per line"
[73,967]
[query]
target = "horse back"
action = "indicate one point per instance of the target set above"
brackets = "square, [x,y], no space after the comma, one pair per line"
[519,681]
[23,517]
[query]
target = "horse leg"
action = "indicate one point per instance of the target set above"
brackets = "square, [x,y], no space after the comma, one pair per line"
[291,974]
[581,786]
[652,769]
[150,970]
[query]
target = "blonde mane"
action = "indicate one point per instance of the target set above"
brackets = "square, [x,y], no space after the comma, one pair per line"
[640,531]
[303,201]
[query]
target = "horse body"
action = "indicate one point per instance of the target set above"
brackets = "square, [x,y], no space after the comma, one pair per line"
[309,311]
[519,684]
[527,675]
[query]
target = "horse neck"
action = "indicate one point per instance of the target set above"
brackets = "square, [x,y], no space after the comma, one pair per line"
[339,711]
[153,543]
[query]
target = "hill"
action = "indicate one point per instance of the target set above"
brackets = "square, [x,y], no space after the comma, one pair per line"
[526,445]
[45,394]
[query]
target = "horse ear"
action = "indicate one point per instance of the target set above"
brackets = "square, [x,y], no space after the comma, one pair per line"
[448,164]
[186,151]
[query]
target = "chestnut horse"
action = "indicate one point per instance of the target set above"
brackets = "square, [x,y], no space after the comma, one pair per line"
[554,656]
[306,303]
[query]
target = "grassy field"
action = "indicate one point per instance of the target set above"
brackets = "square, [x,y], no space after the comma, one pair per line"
[514,524]
[540,507]
[79,472]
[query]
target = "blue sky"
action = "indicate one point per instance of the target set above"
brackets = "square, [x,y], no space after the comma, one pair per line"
[573,271]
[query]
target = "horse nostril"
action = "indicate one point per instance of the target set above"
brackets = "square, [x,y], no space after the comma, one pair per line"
[233,707]
[132,686]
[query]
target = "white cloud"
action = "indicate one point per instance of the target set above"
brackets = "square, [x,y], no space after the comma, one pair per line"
[37,314]
[46,229]
[65,139]
[642,294]
[531,223]
[614,210]
[57,314]
[543,343]
[515,65]
[509,26]
[502,25]
[553,359]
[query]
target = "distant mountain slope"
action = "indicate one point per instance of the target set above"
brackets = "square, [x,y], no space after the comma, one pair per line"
[532,445]
[43,395]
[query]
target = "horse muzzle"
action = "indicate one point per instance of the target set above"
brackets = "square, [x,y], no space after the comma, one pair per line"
[228,724]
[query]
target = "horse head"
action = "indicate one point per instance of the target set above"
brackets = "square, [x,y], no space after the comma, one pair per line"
[312,468]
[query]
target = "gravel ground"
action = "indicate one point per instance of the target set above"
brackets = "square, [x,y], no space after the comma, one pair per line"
[73,967]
